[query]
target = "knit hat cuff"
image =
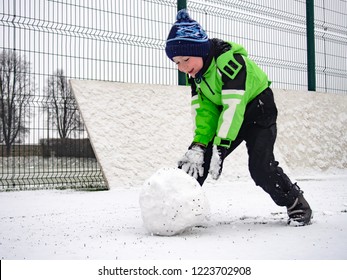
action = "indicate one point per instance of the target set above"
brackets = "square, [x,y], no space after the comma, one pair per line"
[185,48]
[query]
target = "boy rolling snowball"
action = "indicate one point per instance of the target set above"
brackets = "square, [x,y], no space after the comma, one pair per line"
[231,102]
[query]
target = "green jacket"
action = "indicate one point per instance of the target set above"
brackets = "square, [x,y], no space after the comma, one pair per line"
[228,81]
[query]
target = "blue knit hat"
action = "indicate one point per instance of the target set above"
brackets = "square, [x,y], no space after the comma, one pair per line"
[186,38]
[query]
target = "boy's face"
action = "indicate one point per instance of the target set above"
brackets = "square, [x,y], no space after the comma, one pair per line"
[190,65]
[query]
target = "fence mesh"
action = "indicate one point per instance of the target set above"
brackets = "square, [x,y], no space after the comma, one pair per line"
[123,41]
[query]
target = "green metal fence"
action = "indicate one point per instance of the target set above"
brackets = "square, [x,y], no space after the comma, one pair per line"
[52,41]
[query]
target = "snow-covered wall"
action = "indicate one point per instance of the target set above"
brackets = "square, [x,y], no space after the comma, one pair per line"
[135,129]
[312,130]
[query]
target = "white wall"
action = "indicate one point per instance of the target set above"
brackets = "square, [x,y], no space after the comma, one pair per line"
[135,129]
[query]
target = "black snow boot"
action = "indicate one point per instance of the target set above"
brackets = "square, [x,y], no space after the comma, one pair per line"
[300,213]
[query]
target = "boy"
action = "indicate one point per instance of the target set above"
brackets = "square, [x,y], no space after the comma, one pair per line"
[231,103]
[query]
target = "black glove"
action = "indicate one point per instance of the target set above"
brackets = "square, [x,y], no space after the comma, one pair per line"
[193,160]
[218,155]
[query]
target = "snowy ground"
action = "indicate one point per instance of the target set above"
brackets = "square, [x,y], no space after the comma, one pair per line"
[154,131]
[245,225]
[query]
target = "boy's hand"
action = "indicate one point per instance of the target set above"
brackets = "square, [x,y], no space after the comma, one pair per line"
[218,156]
[193,160]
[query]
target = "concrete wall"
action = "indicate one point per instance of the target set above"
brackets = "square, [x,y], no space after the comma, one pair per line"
[135,129]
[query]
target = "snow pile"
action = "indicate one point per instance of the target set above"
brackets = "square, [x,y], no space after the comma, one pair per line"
[172,202]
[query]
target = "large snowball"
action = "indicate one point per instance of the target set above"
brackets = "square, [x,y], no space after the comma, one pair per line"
[171,202]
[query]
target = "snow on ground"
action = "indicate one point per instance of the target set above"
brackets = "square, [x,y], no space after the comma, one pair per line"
[245,224]
[135,130]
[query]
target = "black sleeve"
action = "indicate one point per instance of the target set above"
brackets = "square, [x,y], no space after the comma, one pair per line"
[239,82]
[221,47]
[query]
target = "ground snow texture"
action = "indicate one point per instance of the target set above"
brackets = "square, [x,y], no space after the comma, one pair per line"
[245,224]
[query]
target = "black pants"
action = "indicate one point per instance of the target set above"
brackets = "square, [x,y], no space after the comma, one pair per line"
[259,132]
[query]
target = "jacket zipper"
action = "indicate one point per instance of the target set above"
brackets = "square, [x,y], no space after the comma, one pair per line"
[208,85]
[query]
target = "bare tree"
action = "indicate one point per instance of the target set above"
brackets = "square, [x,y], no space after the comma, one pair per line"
[16,90]
[61,105]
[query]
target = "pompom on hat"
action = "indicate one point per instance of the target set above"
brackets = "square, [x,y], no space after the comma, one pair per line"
[187,38]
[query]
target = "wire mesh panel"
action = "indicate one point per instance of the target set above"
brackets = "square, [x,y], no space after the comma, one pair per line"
[44,43]
[274,33]
[331,45]
[58,40]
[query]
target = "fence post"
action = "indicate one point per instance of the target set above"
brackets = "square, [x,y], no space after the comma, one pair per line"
[311,64]
[181,4]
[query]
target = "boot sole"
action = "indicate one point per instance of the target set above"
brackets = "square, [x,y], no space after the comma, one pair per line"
[295,223]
